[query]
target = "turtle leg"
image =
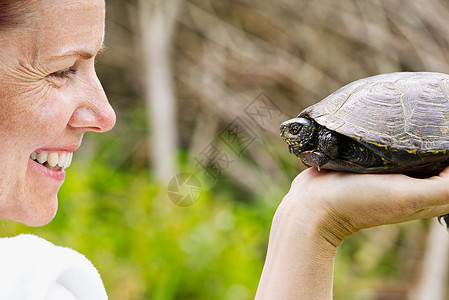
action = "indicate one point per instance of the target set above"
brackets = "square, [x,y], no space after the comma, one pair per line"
[328,145]
[332,145]
[359,154]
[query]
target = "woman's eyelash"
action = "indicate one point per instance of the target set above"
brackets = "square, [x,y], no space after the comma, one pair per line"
[66,73]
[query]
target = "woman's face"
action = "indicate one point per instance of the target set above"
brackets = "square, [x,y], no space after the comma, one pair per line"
[49,97]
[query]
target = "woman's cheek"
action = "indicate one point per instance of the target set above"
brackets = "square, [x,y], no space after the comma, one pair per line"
[44,114]
[53,114]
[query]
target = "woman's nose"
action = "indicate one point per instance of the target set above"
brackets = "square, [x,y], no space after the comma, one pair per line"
[93,113]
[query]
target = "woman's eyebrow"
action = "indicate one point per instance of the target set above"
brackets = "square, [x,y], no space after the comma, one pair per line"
[79,53]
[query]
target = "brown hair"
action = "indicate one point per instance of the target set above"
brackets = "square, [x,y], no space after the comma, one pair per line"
[14,13]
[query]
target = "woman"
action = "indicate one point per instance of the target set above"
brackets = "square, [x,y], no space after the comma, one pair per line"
[49,97]
[322,209]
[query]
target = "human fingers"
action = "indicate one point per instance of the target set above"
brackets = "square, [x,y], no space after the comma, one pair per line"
[419,195]
[355,201]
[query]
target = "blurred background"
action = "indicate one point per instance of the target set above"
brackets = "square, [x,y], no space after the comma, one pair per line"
[176,201]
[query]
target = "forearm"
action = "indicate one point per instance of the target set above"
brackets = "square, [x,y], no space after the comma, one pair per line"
[299,263]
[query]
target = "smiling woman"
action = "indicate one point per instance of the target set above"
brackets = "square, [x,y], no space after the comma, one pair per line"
[50,97]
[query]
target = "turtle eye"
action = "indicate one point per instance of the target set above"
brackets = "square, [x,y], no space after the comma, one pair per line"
[294,128]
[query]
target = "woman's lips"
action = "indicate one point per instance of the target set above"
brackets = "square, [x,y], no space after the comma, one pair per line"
[57,175]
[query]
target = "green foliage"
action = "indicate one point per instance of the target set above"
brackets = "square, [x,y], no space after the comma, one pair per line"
[145,247]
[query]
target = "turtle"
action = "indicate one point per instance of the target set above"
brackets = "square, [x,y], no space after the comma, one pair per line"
[387,123]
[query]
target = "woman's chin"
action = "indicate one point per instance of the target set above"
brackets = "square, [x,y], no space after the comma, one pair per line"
[37,213]
[39,221]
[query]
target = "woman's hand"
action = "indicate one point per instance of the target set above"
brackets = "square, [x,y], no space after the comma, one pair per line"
[340,204]
[323,208]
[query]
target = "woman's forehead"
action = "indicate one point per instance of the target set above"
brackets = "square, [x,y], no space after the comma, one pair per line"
[61,29]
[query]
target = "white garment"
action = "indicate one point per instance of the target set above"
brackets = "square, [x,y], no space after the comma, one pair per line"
[32,268]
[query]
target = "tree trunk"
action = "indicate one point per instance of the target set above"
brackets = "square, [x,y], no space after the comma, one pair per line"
[157,23]
[432,284]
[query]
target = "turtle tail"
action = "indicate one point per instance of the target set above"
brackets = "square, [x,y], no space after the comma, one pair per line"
[446,220]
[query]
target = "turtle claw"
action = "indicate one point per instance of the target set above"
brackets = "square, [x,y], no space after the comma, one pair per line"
[322,159]
[446,220]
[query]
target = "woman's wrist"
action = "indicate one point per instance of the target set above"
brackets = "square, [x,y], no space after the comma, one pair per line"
[315,218]
[300,258]
[310,229]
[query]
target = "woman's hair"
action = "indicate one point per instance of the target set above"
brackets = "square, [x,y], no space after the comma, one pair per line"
[14,13]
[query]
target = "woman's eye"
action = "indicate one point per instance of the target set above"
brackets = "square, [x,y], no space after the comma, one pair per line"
[66,73]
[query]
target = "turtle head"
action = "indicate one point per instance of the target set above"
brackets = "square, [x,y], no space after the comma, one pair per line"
[299,134]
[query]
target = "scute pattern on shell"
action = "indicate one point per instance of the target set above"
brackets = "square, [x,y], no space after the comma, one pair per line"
[394,110]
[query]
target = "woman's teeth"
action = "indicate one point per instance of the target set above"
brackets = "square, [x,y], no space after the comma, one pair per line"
[53,160]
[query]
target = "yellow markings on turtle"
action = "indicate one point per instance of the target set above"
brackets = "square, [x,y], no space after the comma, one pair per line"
[353,136]
[436,152]
[383,167]
[414,151]
[379,145]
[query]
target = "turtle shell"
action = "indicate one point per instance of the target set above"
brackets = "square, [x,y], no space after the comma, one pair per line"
[403,117]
